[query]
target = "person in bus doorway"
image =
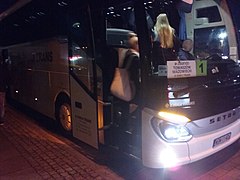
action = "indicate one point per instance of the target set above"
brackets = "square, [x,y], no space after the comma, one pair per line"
[131,62]
[165,43]
[3,84]
[122,107]
[128,59]
[184,52]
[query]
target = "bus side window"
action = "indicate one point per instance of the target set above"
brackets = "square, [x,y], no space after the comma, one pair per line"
[212,17]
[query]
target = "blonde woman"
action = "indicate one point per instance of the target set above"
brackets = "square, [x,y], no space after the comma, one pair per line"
[165,44]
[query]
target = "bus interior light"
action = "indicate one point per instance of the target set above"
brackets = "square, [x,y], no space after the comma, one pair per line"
[222,35]
[75,58]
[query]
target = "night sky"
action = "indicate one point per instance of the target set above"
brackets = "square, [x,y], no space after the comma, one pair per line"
[5,4]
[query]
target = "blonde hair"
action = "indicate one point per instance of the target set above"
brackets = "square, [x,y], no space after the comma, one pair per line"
[164,31]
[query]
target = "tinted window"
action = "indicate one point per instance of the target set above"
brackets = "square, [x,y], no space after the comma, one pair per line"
[211,13]
[81,48]
[209,41]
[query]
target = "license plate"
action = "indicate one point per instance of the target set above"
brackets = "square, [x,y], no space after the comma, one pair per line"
[221,139]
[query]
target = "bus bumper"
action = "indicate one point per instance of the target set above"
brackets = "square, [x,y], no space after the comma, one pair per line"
[206,145]
[157,153]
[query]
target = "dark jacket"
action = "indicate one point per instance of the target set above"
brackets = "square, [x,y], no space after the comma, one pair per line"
[3,77]
[185,55]
[131,62]
[162,55]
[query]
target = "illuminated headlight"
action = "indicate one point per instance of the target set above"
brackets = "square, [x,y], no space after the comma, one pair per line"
[171,132]
[174,133]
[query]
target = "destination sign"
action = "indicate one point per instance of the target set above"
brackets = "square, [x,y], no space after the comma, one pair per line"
[183,69]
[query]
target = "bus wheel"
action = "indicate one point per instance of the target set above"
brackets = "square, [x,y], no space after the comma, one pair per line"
[63,116]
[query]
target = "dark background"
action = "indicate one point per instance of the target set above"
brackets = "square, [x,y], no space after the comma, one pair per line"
[5,4]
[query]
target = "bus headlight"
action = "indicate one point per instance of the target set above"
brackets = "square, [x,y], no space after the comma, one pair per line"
[171,132]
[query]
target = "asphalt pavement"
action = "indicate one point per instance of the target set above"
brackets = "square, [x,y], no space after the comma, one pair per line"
[29,151]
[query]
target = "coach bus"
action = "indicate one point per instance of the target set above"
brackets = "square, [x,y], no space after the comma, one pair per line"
[62,55]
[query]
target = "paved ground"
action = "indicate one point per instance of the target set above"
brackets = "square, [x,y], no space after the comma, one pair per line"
[28,151]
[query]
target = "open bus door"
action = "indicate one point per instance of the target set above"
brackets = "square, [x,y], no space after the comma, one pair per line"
[82,79]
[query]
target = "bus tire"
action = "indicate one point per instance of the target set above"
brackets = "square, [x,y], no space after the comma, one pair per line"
[63,115]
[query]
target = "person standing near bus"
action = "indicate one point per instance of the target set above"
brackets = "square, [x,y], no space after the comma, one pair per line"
[165,43]
[3,84]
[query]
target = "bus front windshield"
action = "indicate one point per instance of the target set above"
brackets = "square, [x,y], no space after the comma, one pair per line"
[191,59]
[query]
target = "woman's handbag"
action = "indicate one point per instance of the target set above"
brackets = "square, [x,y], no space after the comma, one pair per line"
[122,87]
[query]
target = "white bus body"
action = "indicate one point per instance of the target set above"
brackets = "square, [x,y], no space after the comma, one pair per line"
[40,73]
[62,64]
